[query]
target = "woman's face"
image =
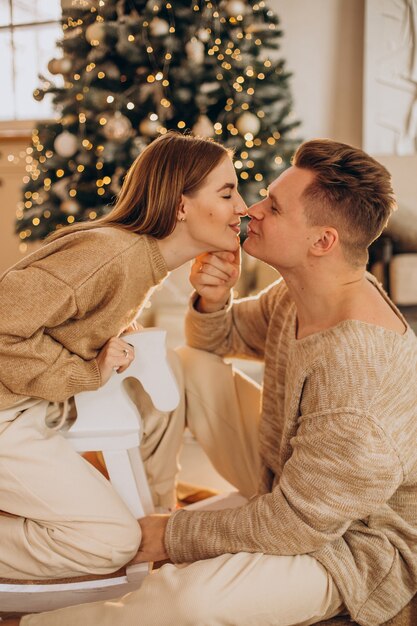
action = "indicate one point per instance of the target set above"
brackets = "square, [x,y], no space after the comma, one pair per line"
[212,214]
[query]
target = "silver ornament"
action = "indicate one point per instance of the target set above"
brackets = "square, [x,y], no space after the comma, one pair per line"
[195,50]
[118,127]
[248,123]
[158,27]
[66,144]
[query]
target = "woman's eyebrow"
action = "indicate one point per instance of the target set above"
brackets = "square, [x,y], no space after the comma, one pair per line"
[227,186]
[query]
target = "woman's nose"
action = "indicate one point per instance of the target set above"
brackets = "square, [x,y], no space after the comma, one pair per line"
[240,206]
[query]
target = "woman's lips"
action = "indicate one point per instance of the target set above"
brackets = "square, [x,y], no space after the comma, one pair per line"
[235,227]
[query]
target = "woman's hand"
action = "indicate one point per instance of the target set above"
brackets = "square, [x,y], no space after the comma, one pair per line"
[213,275]
[152,546]
[116,355]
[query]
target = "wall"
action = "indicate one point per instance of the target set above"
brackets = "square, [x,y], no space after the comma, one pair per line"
[323,47]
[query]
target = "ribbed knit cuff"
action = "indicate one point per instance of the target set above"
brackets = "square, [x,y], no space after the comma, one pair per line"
[85,376]
[171,538]
[195,296]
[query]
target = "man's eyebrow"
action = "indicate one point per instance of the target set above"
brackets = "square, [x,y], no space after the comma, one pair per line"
[227,186]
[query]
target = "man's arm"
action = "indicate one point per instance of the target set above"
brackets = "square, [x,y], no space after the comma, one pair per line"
[217,323]
[342,468]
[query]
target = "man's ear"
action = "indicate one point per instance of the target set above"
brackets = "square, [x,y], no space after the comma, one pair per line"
[325,241]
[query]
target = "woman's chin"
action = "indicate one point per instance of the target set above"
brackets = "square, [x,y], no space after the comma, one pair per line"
[225,246]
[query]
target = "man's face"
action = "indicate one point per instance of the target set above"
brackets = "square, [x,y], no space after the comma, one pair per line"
[278,233]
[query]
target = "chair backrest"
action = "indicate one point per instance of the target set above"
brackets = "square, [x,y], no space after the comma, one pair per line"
[110,409]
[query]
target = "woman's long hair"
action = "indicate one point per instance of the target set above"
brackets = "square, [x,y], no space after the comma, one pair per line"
[148,201]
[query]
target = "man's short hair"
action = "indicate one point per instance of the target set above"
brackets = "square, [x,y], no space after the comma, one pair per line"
[351,191]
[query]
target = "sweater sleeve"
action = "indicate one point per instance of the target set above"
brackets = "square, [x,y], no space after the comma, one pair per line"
[342,468]
[32,363]
[237,330]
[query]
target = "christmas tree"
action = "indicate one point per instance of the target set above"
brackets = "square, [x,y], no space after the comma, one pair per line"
[133,70]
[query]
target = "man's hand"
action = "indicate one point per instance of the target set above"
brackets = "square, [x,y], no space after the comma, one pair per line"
[213,275]
[117,355]
[152,546]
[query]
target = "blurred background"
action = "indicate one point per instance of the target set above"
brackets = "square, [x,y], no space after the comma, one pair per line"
[86,84]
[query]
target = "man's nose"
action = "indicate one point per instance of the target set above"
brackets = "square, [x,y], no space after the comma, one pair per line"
[255,210]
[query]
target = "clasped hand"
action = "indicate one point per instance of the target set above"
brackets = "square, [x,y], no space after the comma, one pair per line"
[152,546]
[213,275]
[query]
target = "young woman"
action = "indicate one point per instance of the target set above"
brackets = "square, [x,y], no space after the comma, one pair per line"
[64,310]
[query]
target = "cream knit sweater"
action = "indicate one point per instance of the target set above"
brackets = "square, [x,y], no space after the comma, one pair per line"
[338,444]
[62,303]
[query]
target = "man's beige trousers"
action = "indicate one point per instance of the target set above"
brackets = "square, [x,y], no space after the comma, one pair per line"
[232,589]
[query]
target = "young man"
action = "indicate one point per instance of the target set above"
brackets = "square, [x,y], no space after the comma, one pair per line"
[330,468]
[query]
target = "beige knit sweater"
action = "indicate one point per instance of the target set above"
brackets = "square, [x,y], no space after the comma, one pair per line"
[338,443]
[62,303]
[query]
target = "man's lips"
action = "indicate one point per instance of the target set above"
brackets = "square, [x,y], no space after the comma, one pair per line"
[250,230]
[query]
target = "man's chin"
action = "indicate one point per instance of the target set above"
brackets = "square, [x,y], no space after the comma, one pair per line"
[247,248]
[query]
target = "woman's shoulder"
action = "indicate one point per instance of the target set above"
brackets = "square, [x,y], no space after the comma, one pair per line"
[74,257]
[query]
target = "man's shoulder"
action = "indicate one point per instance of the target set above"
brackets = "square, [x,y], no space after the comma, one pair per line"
[355,363]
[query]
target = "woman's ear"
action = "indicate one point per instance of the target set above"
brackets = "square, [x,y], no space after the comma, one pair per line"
[181,211]
[325,241]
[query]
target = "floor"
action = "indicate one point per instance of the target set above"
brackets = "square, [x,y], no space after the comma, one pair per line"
[197,469]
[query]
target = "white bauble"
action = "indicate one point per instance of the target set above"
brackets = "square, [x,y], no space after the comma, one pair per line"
[204,34]
[64,65]
[236,7]
[118,127]
[95,32]
[207,88]
[70,206]
[66,144]
[248,123]
[158,27]
[195,50]
[149,127]
[203,127]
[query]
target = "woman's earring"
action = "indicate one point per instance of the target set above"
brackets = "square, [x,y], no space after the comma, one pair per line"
[182,219]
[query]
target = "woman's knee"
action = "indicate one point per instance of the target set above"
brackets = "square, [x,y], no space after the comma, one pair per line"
[102,547]
[123,538]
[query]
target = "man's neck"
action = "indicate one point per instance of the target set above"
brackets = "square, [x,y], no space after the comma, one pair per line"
[324,299]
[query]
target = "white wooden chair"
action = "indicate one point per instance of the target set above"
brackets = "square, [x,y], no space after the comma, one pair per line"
[107,421]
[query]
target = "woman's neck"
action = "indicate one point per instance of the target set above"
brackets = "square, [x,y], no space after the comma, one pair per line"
[177,249]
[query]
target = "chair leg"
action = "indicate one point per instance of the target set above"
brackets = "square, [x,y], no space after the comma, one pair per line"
[123,479]
[141,480]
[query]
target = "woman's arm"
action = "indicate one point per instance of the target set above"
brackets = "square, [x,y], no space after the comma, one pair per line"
[32,363]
